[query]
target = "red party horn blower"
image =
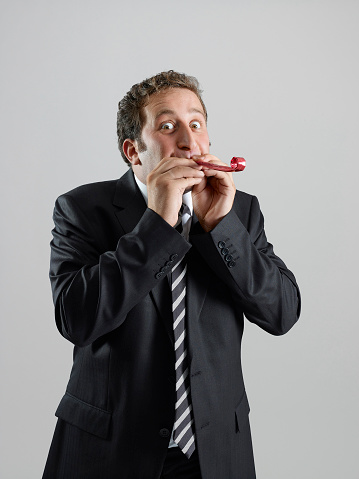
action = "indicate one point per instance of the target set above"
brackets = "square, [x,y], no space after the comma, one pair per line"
[237,164]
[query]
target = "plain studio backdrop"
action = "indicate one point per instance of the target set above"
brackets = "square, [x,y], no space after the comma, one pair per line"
[280,82]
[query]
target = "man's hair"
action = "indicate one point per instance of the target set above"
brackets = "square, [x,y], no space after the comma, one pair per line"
[130,118]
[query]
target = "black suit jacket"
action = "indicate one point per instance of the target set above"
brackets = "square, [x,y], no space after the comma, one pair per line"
[110,256]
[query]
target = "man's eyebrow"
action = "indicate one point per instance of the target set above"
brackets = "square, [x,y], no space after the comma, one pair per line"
[197,110]
[167,111]
[164,112]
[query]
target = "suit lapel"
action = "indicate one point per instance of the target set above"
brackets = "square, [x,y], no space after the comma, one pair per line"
[130,206]
[161,296]
[197,285]
[129,202]
[197,282]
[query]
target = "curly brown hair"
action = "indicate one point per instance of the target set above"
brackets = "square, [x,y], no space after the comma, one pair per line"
[130,108]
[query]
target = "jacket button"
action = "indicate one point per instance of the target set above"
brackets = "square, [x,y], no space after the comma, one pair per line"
[225,251]
[164,432]
[158,275]
[221,244]
[173,256]
[228,257]
[231,264]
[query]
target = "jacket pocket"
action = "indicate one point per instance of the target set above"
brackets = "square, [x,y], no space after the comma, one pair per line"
[84,416]
[241,413]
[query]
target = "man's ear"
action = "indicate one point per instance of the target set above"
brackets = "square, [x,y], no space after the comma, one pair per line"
[130,149]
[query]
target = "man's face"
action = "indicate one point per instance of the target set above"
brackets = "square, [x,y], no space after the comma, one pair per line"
[174,126]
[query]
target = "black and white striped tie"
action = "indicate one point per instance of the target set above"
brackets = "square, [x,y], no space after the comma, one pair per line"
[183,434]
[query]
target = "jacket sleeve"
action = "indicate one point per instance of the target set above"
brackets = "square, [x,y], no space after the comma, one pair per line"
[93,290]
[260,283]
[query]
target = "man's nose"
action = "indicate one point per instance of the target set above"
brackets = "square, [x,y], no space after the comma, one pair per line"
[186,139]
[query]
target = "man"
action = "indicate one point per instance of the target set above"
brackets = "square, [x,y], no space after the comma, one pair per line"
[156,389]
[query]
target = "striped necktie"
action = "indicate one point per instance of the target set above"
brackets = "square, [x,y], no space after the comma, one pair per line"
[183,434]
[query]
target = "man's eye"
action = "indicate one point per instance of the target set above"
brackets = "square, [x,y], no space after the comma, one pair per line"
[195,125]
[167,126]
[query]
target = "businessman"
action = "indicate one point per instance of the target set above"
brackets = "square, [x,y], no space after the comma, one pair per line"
[152,275]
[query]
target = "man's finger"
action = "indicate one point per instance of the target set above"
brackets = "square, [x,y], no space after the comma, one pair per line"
[172,162]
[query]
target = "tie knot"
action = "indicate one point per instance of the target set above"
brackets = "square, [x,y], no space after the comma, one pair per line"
[179,226]
[180,222]
[183,210]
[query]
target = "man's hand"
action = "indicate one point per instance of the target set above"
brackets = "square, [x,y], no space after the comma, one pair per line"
[213,196]
[168,181]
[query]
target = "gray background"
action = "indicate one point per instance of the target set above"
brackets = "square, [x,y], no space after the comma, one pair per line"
[280,82]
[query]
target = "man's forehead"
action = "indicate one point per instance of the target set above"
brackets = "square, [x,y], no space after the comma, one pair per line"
[168,111]
[168,101]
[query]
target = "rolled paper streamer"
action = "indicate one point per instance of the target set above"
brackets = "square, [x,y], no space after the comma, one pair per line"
[237,164]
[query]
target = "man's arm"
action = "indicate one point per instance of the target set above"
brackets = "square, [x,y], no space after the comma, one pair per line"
[94,290]
[242,258]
